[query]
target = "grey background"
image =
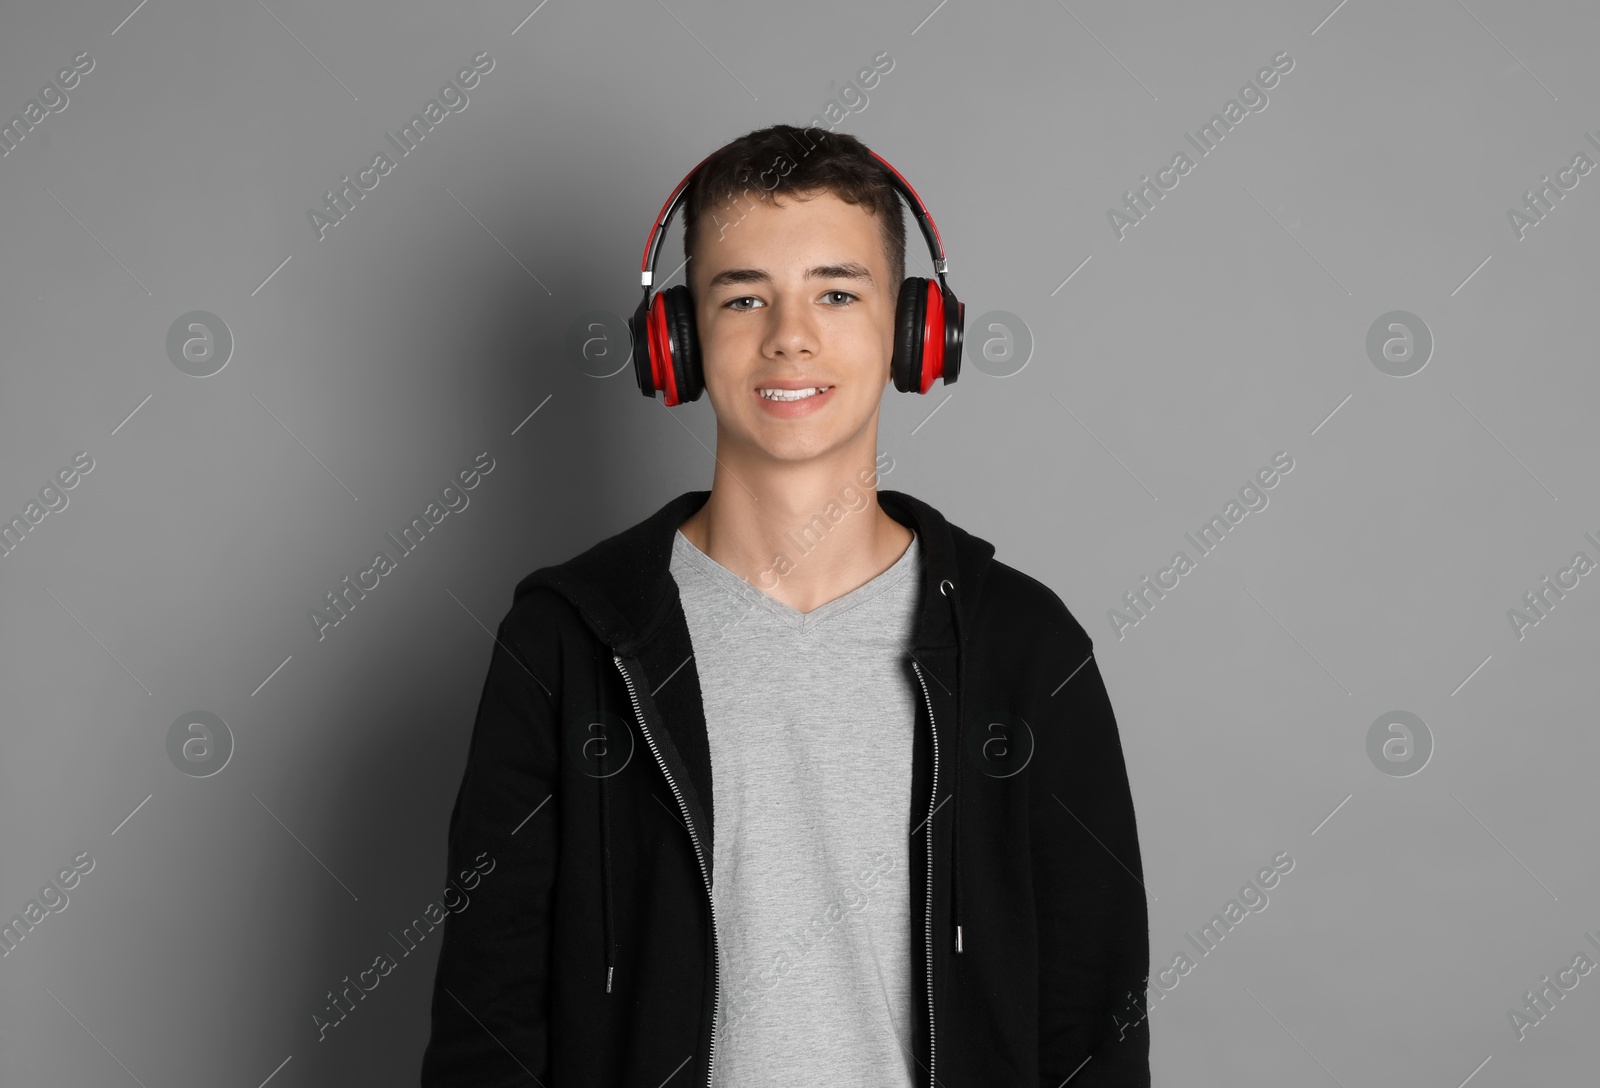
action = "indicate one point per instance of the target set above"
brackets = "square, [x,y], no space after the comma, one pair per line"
[367,370]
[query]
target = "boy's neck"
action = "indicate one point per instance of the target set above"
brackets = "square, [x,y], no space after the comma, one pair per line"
[804,541]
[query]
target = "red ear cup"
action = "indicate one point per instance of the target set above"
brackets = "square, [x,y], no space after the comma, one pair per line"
[928,324]
[932,337]
[666,348]
[662,373]
[945,331]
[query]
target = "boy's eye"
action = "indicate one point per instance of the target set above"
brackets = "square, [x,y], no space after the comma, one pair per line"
[734,303]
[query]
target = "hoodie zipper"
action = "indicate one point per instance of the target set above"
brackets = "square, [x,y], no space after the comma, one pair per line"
[928,925]
[716,989]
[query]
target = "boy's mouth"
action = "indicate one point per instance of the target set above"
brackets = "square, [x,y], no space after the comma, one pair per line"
[783,394]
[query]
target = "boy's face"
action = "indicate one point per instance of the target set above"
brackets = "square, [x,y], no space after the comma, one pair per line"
[792,292]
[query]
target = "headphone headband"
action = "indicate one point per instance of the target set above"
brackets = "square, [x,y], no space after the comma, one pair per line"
[658,233]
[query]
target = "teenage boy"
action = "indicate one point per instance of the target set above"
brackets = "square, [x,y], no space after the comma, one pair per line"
[792,783]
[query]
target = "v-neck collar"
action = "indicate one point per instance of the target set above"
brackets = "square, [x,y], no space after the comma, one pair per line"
[803,623]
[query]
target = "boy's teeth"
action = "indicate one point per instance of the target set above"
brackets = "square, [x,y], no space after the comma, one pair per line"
[792,394]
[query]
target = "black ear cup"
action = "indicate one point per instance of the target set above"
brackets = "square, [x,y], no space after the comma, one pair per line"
[955,320]
[685,343]
[639,334]
[910,311]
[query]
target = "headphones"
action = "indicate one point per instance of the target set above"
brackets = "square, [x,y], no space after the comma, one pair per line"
[928,317]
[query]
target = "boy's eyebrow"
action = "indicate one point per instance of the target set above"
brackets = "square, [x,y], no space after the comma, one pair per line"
[849,270]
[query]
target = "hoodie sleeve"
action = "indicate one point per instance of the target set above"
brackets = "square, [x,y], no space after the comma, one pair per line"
[1093,922]
[490,1008]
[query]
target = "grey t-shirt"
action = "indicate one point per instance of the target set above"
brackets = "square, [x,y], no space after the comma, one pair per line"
[810,719]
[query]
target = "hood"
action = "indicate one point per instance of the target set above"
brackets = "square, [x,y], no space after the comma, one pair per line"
[623,588]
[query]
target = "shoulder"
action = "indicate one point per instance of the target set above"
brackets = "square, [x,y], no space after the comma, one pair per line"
[534,599]
[1031,609]
[539,620]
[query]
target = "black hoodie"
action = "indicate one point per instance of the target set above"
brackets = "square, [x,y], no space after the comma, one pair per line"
[587,953]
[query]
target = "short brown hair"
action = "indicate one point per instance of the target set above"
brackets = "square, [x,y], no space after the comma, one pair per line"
[752,167]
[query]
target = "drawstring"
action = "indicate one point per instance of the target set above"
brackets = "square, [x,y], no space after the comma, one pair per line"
[605,829]
[955,818]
